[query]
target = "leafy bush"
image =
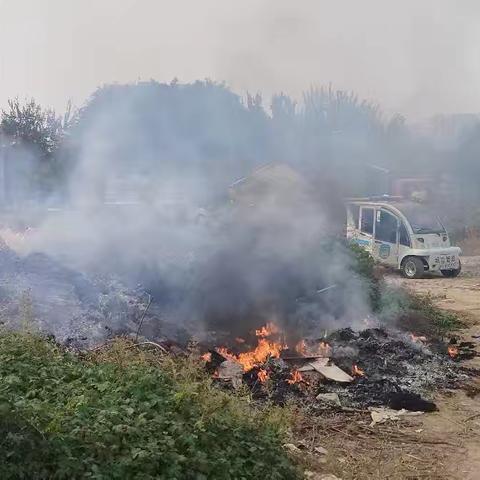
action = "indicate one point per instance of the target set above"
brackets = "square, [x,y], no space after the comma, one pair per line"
[364,262]
[440,321]
[122,414]
[414,313]
[363,265]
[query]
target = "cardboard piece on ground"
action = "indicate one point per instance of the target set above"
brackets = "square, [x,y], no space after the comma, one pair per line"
[319,362]
[331,372]
[306,368]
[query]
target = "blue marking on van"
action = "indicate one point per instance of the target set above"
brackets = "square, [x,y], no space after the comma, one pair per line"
[361,241]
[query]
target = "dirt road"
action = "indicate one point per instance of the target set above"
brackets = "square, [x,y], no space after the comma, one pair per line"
[458,421]
[461,294]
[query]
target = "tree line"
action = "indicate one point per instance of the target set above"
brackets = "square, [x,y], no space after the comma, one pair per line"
[204,130]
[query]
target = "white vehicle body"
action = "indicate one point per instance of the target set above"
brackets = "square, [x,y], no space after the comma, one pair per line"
[402,234]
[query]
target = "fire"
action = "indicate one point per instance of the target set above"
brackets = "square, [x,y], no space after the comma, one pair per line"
[207,357]
[322,349]
[226,354]
[415,338]
[295,377]
[262,375]
[301,347]
[267,330]
[264,350]
[357,371]
[268,347]
[452,351]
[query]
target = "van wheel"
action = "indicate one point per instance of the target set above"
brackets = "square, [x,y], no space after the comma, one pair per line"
[452,273]
[413,267]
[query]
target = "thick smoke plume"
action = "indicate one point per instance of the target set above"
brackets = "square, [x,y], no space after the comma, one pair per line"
[210,258]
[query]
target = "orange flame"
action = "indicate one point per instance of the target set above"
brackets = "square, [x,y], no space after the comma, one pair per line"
[264,350]
[452,351]
[357,371]
[207,357]
[415,338]
[267,330]
[223,351]
[301,347]
[322,349]
[295,377]
[262,375]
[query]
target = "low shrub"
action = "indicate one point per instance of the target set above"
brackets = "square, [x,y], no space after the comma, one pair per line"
[415,313]
[126,414]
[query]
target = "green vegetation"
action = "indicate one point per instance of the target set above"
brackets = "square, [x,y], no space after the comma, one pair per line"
[364,263]
[38,141]
[442,321]
[123,413]
[414,313]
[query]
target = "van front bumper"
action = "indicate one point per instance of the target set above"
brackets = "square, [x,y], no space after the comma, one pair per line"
[443,259]
[437,258]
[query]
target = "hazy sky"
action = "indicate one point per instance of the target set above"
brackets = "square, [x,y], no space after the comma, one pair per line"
[418,57]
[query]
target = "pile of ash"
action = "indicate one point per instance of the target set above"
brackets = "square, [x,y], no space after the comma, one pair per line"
[397,368]
[40,294]
[375,367]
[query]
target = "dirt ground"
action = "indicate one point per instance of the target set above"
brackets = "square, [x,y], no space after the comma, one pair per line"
[458,420]
[432,446]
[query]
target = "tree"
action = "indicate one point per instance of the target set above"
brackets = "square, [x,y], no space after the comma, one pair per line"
[39,135]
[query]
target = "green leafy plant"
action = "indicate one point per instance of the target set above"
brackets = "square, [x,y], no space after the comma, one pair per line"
[442,321]
[125,413]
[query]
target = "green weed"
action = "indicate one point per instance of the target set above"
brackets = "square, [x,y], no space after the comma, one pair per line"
[127,413]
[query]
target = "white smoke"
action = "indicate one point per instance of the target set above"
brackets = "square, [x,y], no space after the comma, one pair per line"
[229,267]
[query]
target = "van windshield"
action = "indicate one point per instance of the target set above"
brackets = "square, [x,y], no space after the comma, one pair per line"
[423,220]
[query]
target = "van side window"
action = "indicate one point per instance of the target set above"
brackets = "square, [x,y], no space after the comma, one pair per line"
[404,236]
[386,229]
[367,221]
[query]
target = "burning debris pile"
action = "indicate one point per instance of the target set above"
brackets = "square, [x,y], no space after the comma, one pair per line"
[289,357]
[373,367]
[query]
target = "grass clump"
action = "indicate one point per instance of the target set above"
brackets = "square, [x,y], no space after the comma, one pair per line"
[122,413]
[392,304]
[415,313]
[442,321]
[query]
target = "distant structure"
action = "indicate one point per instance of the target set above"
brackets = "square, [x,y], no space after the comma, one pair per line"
[273,178]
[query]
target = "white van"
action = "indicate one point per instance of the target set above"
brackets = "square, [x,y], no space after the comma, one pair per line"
[402,234]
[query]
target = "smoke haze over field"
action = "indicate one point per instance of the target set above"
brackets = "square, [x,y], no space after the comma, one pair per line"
[140,173]
[418,58]
[231,268]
